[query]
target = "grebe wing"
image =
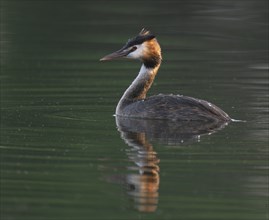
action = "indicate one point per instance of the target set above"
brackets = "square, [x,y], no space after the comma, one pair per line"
[175,107]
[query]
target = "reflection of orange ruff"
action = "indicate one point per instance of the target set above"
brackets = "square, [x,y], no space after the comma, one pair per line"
[146,185]
[146,191]
[148,198]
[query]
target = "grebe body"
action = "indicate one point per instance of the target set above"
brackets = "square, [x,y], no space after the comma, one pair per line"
[134,102]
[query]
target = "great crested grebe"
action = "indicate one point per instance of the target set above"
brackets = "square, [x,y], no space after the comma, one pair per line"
[134,103]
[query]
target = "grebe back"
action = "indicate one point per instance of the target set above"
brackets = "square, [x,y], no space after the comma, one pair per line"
[134,103]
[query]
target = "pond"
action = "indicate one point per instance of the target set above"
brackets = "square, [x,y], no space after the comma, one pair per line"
[65,156]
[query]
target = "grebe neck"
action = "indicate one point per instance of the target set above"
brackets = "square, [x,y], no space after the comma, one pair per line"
[139,87]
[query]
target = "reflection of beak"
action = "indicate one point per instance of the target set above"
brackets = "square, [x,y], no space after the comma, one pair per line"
[118,54]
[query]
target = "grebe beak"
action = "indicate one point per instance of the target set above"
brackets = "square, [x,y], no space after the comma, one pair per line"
[118,54]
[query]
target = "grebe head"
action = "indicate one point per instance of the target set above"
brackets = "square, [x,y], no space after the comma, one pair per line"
[144,47]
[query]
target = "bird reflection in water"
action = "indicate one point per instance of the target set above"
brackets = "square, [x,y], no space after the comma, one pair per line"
[144,185]
[138,134]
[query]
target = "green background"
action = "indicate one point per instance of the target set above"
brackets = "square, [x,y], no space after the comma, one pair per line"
[62,156]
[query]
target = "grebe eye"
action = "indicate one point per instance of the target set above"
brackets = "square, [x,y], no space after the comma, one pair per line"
[133,48]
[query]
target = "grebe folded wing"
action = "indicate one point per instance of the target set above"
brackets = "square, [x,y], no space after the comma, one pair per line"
[174,107]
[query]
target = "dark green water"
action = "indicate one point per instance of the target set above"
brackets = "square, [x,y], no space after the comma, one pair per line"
[62,155]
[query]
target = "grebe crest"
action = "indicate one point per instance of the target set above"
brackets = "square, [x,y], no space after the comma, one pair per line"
[133,103]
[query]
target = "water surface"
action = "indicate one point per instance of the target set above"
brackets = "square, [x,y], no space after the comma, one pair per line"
[64,155]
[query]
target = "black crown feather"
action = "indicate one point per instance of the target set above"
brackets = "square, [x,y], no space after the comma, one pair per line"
[143,36]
